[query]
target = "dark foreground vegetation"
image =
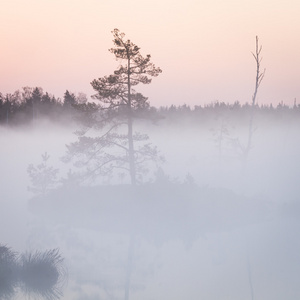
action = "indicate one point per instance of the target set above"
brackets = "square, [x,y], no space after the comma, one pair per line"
[38,274]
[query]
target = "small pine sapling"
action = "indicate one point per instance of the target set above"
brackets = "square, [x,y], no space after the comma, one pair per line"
[43,177]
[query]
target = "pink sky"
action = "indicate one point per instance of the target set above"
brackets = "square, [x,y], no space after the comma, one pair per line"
[203,47]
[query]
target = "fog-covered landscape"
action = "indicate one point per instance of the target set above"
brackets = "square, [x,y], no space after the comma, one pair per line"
[200,224]
[110,196]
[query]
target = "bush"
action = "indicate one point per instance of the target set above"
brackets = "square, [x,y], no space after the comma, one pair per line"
[40,274]
[8,272]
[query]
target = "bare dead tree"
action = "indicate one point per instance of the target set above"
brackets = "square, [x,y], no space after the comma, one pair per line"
[245,149]
[259,75]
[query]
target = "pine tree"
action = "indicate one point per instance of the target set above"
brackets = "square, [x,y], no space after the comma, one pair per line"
[120,104]
[43,177]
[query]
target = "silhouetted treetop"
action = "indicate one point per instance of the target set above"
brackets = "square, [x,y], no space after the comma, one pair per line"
[116,90]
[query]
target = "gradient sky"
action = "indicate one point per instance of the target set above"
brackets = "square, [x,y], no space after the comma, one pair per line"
[203,46]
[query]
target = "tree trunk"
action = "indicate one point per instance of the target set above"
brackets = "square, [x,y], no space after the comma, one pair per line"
[130,134]
[258,79]
[131,152]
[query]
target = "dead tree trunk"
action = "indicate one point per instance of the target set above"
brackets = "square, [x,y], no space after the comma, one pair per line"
[258,79]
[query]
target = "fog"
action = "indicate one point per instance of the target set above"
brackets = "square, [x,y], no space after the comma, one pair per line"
[204,224]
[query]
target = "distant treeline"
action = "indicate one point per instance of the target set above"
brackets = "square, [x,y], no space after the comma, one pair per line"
[29,104]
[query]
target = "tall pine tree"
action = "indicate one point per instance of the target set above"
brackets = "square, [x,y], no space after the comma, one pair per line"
[120,104]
